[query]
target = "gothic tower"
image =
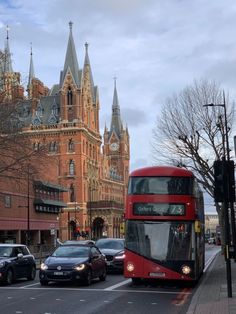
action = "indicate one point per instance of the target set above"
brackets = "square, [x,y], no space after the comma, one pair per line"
[116,142]
[10,88]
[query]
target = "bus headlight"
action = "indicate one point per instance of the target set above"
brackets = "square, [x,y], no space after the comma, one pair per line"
[130,267]
[186,269]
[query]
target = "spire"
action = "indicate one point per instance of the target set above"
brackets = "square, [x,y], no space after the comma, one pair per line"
[31,68]
[116,123]
[87,68]
[71,61]
[7,61]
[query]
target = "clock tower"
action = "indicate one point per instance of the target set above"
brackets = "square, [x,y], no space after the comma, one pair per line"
[116,143]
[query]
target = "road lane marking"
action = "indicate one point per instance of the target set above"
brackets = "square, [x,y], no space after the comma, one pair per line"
[209,261]
[33,284]
[95,290]
[122,283]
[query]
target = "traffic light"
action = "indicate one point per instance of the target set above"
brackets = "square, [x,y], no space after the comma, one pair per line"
[219,181]
[224,190]
[231,180]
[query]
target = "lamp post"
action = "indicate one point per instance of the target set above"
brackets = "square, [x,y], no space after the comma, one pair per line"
[226,203]
[90,212]
[27,207]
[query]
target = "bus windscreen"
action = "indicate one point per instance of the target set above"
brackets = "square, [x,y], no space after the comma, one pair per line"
[160,240]
[160,185]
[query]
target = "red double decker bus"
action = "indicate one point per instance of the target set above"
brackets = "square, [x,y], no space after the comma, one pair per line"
[164,215]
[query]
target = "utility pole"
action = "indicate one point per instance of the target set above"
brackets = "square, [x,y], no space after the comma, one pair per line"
[28,206]
[90,211]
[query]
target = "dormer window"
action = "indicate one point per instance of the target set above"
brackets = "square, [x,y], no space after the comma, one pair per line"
[54,110]
[39,111]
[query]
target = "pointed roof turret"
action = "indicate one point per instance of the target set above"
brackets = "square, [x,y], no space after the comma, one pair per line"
[116,124]
[71,62]
[87,68]
[31,68]
[7,60]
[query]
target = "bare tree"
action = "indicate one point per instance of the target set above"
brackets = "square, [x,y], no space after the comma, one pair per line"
[191,135]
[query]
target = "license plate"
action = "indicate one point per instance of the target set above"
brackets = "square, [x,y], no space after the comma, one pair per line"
[108,263]
[160,275]
[58,273]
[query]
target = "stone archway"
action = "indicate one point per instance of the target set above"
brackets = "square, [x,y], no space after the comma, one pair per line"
[99,228]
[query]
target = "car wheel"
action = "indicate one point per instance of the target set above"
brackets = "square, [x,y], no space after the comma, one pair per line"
[43,282]
[88,279]
[103,276]
[9,277]
[32,273]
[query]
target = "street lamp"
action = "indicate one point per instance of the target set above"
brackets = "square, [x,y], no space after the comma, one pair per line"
[28,207]
[76,225]
[90,211]
[226,204]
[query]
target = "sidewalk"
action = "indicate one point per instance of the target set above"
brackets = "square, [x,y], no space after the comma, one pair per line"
[211,296]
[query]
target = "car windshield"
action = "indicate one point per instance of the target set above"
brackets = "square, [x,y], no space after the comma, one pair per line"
[71,251]
[5,251]
[110,244]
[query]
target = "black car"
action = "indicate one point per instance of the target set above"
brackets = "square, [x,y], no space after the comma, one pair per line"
[16,262]
[113,248]
[71,263]
[89,242]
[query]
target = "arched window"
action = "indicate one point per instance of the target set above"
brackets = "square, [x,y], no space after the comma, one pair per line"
[36,146]
[72,193]
[72,167]
[69,97]
[71,145]
[55,146]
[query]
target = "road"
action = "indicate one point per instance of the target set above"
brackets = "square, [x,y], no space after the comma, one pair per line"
[115,295]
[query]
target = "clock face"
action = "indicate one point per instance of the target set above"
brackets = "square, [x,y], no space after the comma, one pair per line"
[114,146]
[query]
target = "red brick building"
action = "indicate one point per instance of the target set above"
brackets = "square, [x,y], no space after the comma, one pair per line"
[88,169]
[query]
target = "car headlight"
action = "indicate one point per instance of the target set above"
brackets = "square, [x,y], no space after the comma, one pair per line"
[43,266]
[80,267]
[119,256]
[2,264]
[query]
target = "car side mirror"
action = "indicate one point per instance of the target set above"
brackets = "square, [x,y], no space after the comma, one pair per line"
[19,255]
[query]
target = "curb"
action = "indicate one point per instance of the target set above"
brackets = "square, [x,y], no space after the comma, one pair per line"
[195,298]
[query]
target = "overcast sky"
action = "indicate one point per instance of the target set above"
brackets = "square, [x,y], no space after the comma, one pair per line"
[154,48]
